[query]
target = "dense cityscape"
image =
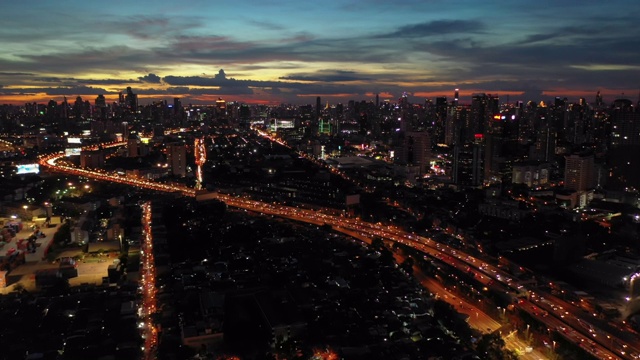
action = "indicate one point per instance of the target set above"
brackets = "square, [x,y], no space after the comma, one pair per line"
[280,180]
[370,229]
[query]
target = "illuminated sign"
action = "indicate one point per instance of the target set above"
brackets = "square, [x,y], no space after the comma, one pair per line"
[74,140]
[144,140]
[27,169]
[478,136]
[72,151]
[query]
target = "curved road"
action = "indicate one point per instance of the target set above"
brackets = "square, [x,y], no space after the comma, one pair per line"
[569,323]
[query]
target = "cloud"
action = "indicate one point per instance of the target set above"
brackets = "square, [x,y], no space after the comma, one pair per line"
[147,27]
[8,73]
[437,27]
[266,25]
[327,76]
[107,81]
[150,78]
[61,90]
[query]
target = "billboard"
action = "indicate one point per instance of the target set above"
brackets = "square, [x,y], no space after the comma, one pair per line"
[72,151]
[353,199]
[74,140]
[27,169]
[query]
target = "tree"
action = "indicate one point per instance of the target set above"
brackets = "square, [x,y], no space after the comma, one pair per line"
[492,347]
[407,264]
[377,243]
[63,235]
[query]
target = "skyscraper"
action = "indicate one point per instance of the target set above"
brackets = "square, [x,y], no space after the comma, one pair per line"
[131,100]
[468,161]
[622,156]
[416,150]
[579,173]
[101,106]
[318,108]
[625,124]
[483,108]
[133,145]
[176,157]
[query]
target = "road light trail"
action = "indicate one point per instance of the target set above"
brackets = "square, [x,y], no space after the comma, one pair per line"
[454,257]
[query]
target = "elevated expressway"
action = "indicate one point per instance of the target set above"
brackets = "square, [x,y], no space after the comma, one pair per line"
[556,314]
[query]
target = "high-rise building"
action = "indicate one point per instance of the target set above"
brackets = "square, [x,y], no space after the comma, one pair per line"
[176,157]
[483,108]
[622,156]
[625,124]
[318,108]
[93,159]
[101,107]
[131,100]
[468,163]
[579,172]
[416,150]
[133,145]
[221,108]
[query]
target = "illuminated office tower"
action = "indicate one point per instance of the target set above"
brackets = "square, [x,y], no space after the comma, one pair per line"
[622,156]
[579,172]
[468,163]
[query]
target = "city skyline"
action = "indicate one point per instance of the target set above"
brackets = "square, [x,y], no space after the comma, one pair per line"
[292,52]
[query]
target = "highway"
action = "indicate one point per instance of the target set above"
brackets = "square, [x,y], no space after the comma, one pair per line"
[148,286]
[554,313]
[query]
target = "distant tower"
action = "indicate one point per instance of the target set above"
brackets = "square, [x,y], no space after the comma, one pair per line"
[131,100]
[101,106]
[318,105]
[377,100]
[403,104]
[65,109]
[456,97]
[599,101]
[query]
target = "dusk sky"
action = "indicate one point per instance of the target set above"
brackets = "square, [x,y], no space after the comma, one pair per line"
[292,51]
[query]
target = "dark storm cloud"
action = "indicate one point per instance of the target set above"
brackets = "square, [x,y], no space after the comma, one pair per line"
[551,64]
[437,27]
[8,73]
[107,81]
[74,82]
[220,80]
[89,60]
[327,76]
[150,78]
[223,50]
[61,90]
[194,91]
